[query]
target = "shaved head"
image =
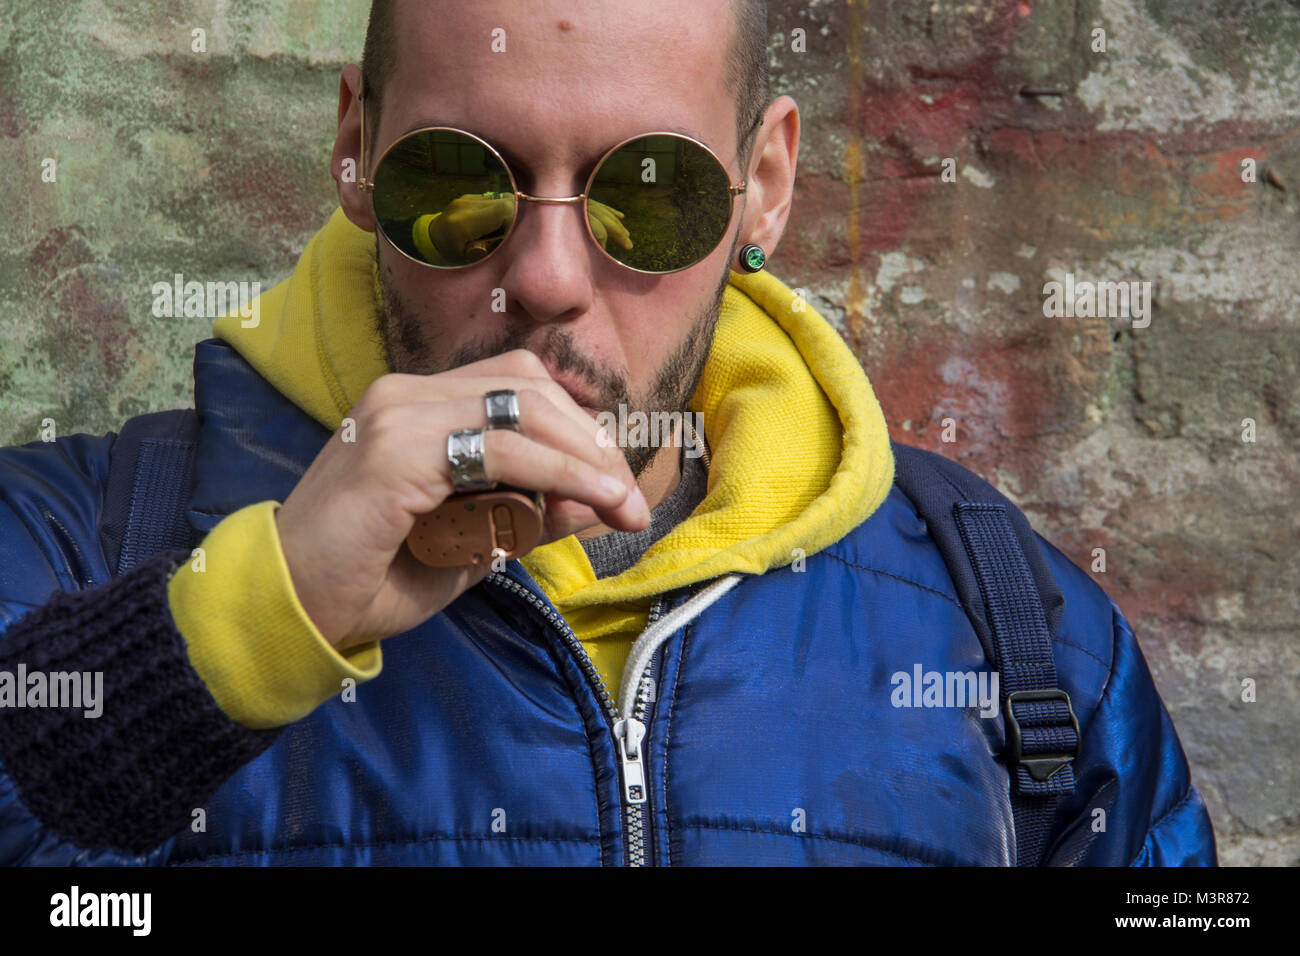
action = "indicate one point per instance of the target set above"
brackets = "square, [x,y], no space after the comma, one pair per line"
[747,76]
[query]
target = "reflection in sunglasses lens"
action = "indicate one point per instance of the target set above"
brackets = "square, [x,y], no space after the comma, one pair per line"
[657,204]
[671,199]
[434,197]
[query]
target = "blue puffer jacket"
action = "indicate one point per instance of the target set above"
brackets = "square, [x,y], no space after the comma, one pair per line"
[772,731]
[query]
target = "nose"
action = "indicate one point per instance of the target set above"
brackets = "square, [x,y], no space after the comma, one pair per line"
[550,260]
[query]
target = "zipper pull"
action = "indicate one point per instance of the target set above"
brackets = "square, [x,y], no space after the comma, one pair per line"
[629,733]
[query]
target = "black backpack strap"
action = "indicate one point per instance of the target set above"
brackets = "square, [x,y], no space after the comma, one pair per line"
[150,476]
[1015,606]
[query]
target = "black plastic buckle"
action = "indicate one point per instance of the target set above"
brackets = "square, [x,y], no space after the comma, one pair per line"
[1040,766]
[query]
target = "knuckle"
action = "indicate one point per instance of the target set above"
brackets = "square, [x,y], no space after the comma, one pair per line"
[379,392]
[571,470]
[552,390]
[392,388]
[524,363]
[384,422]
[531,399]
[535,404]
[499,444]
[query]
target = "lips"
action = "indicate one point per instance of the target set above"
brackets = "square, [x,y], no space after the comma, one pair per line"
[576,392]
[579,397]
[586,404]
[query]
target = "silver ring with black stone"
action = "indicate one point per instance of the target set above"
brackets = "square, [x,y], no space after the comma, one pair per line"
[502,407]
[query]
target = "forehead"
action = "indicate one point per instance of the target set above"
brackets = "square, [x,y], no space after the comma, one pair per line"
[560,80]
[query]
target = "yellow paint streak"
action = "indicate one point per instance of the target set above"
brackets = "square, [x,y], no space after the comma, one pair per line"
[852,171]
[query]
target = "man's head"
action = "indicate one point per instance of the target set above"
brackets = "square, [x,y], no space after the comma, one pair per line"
[746,64]
[552,85]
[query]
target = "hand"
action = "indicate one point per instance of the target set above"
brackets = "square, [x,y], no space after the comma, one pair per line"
[467,218]
[343,527]
[606,224]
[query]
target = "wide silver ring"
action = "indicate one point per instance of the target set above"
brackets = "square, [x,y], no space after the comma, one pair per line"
[502,407]
[465,455]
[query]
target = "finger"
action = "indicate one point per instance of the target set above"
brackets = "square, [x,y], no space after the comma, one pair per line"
[516,363]
[612,227]
[515,459]
[620,234]
[539,420]
[487,217]
[474,216]
[464,386]
[476,378]
[563,517]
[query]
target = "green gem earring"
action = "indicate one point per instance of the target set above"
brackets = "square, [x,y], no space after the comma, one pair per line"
[751,257]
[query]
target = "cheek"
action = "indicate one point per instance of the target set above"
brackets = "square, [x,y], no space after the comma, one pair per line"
[433,297]
[656,325]
[413,282]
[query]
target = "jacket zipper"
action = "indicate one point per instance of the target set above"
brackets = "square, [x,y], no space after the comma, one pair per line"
[628,733]
[84,579]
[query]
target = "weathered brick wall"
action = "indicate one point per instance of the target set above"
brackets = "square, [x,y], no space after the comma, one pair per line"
[1130,163]
[1126,164]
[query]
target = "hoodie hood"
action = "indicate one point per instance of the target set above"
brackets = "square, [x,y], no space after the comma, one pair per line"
[799,449]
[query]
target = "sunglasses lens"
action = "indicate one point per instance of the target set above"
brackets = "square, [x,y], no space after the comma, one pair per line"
[443,198]
[660,203]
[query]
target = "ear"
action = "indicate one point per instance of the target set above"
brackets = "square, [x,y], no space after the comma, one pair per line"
[347,165]
[769,188]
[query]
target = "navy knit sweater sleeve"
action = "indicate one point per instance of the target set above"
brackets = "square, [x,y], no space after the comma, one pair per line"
[129,778]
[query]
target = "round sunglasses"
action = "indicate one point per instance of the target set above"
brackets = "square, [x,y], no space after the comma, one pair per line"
[655,203]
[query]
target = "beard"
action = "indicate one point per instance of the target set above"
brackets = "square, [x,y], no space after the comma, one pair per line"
[413,347]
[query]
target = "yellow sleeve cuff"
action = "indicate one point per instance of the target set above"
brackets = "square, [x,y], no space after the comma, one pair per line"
[423,243]
[248,637]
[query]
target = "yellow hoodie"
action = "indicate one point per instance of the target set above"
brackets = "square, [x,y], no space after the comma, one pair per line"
[799,457]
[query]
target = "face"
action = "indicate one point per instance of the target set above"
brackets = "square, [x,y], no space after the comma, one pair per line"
[575,78]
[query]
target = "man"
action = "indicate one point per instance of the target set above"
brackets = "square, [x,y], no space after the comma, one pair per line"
[703,660]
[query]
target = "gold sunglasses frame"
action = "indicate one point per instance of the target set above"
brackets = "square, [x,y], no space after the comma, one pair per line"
[368,185]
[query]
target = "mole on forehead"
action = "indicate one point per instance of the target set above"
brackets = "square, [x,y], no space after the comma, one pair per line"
[565,25]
